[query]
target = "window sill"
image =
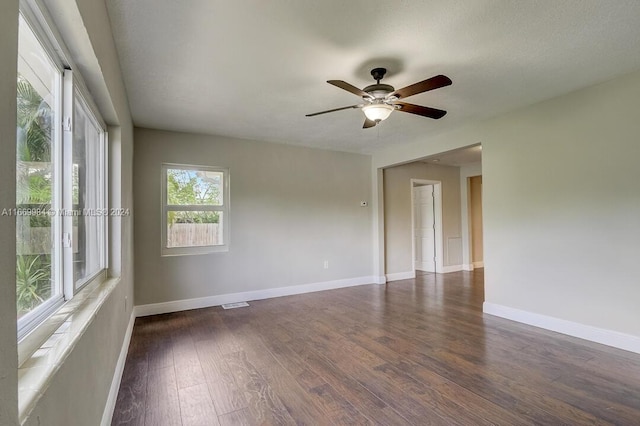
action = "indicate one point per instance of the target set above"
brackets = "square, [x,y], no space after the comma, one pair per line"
[194,250]
[40,361]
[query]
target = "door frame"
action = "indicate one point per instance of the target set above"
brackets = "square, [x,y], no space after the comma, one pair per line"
[437,194]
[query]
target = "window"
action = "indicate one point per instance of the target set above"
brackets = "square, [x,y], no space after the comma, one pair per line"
[38,279]
[195,213]
[60,179]
[87,194]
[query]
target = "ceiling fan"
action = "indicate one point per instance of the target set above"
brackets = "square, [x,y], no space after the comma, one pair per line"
[380,100]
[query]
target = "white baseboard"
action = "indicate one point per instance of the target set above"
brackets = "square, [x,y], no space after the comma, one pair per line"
[401,276]
[479,264]
[451,268]
[468,267]
[408,275]
[205,302]
[616,339]
[424,266]
[107,414]
[380,280]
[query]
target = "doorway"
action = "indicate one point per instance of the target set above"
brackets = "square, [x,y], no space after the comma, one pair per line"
[426,225]
[475,221]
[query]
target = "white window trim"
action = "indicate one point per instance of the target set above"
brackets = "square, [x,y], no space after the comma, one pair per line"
[165,208]
[75,90]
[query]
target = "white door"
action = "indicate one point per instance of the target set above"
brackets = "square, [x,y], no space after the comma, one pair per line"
[424,228]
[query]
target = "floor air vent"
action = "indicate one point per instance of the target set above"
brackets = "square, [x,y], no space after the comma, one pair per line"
[235,305]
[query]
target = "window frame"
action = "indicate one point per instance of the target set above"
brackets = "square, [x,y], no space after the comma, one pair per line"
[69,88]
[75,91]
[166,208]
[30,320]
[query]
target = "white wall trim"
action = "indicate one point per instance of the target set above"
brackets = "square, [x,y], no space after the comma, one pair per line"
[424,266]
[380,280]
[479,264]
[451,268]
[616,339]
[412,274]
[206,302]
[401,276]
[468,267]
[107,414]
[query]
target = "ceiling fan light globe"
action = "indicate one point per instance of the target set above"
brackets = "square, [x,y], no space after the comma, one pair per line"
[377,112]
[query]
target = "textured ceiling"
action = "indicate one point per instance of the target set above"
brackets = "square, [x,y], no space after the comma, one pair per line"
[458,157]
[253,68]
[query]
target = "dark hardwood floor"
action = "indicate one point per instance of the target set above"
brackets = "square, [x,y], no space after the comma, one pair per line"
[411,352]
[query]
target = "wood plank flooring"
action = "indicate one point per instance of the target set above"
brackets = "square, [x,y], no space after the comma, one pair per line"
[411,352]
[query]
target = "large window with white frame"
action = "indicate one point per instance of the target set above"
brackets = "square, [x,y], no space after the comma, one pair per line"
[39,138]
[61,210]
[195,209]
[87,193]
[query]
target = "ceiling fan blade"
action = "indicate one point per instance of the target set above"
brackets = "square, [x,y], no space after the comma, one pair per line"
[368,123]
[332,110]
[423,86]
[349,88]
[421,110]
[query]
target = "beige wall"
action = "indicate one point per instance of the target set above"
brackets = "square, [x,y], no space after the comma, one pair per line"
[77,393]
[397,212]
[292,208]
[8,348]
[554,245]
[475,210]
[561,207]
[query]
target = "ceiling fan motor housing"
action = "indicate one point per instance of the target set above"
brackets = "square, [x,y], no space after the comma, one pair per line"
[379,91]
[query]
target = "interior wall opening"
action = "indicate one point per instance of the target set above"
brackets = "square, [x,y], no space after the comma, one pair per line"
[413,239]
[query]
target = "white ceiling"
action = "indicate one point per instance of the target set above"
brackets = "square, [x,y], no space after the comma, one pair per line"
[253,68]
[457,157]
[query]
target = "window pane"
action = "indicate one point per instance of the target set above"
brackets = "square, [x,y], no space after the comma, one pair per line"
[194,228]
[36,232]
[194,187]
[87,195]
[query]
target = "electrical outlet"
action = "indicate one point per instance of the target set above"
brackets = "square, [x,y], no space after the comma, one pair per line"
[326,264]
